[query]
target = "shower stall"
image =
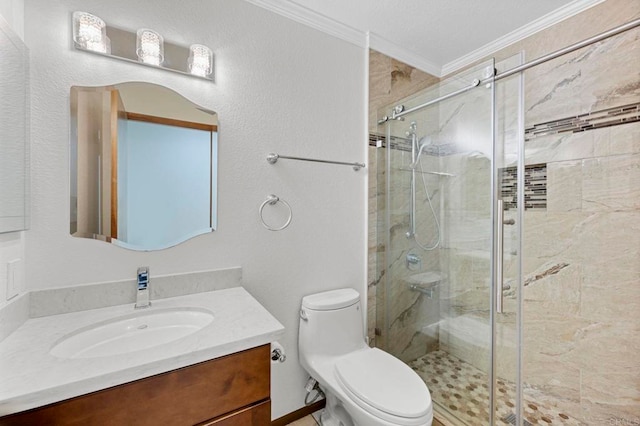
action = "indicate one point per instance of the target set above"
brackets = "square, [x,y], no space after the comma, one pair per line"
[510,227]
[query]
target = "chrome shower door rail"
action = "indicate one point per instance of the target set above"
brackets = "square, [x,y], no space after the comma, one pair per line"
[565,50]
[399,111]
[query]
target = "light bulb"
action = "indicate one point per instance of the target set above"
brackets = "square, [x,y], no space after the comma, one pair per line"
[150,47]
[103,46]
[89,32]
[200,60]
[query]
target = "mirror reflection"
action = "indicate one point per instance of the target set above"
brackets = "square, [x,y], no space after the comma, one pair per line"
[143,166]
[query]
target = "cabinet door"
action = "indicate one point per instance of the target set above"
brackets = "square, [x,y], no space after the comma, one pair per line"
[185,396]
[256,415]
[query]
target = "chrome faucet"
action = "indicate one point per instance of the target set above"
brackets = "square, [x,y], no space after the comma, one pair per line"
[142,292]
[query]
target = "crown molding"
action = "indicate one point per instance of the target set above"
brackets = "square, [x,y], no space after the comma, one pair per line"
[371,40]
[329,26]
[395,51]
[521,33]
[312,19]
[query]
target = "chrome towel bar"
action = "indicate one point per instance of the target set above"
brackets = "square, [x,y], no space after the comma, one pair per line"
[272,158]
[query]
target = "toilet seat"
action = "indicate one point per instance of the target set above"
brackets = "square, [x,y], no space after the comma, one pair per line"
[383,386]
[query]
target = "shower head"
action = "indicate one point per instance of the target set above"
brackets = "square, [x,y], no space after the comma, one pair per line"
[422,144]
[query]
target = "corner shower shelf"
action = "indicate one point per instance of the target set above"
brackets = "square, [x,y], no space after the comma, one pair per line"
[425,282]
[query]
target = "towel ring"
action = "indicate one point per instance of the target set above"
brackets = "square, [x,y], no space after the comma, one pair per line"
[271,200]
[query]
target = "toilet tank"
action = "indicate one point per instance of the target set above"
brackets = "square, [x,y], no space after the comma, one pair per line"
[331,323]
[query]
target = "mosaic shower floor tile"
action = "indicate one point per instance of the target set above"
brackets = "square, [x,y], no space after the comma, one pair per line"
[462,390]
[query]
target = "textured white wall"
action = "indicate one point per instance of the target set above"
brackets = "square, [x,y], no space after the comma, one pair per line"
[279,87]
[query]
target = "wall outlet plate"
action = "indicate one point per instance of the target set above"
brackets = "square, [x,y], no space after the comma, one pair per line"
[13,278]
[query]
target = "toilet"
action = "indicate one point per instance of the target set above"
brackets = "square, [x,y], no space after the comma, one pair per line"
[363,386]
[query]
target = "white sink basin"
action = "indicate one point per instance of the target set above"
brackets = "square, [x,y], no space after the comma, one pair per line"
[130,333]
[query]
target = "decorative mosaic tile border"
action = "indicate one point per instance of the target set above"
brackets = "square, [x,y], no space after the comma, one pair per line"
[535,175]
[594,120]
[535,196]
[579,123]
[535,187]
[380,141]
[403,144]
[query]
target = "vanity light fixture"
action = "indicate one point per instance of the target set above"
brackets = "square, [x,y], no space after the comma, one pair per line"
[200,60]
[90,32]
[144,47]
[149,47]
[105,47]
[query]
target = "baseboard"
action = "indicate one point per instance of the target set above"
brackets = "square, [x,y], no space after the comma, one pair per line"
[298,414]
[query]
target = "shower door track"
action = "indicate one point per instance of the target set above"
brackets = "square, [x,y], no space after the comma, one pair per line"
[553,55]
[584,43]
[399,110]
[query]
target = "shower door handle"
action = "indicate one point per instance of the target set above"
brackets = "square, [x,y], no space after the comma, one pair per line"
[499,256]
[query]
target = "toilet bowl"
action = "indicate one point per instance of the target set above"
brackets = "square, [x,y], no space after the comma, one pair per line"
[364,386]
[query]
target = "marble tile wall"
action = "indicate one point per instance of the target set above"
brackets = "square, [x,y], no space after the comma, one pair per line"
[581,266]
[461,133]
[463,327]
[582,278]
[581,256]
[411,313]
[389,81]
[373,277]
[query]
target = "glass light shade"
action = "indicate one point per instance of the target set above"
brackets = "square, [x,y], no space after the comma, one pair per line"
[103,47]
[150,47]
[200,60]
[89,32]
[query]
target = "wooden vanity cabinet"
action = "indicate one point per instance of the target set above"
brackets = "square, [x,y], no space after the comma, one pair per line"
[227,391]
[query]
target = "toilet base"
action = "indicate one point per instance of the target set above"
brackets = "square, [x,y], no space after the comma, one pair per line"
[334,413]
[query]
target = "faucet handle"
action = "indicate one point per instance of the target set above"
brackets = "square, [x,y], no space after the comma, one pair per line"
[143,278]
[142,292]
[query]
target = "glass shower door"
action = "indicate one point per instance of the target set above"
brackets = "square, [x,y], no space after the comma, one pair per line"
[510,182]
[436,310]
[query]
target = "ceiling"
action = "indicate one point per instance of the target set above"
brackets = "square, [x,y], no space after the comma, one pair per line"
[438,36]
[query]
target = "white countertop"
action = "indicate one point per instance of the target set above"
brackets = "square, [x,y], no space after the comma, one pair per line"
[31,377]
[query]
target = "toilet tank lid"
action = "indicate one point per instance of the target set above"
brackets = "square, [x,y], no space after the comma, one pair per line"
[329,300]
